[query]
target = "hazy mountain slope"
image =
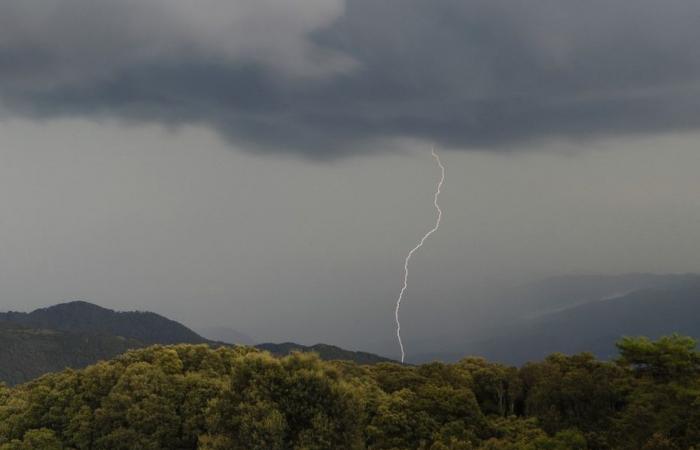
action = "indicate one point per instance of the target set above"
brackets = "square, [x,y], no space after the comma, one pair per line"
[326,352]
[79,316]
[595,326]
[509,310]
[557,293]
[26,353]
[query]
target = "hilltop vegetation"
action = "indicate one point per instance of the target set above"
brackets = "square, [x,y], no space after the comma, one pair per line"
[324,351]
[196,397]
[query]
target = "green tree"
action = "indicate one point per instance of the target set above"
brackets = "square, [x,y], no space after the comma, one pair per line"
[41,439]
[663,407]
[576,391]
[671,358]
[497,387]
[195,397]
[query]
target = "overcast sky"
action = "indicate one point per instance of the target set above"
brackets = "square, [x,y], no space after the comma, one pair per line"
[265,164]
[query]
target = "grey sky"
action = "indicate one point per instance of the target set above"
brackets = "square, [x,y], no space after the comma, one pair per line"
[266,164]
[181,223]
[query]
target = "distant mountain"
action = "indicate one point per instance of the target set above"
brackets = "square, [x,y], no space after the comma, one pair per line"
[26,353]
[77,334]
[226,335]
[557,293]
[488,313]
[596,326]
[79,316]
[326,352]
[516,311]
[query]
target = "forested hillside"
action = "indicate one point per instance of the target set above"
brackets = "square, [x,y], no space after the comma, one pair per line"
[195,397]
[77,334]
[79,316]
[26,353]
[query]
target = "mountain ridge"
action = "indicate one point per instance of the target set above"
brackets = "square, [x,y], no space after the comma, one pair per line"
[82,316]
[78,333]
[593,326]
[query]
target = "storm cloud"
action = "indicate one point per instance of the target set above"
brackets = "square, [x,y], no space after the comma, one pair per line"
[322,77]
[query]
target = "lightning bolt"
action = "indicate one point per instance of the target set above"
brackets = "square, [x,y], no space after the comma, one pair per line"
[420,244]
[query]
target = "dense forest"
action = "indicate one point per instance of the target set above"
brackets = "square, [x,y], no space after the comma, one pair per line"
[197,397]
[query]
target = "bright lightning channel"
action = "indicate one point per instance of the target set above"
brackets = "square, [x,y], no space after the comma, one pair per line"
[420,244]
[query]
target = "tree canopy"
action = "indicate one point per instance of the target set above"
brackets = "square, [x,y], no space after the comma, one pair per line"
[196,397]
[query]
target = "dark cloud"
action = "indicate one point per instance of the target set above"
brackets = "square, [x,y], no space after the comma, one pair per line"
[464,73]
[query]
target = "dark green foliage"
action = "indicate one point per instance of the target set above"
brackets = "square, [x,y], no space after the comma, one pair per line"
[573,391]
[669,358]
[197,397]
[665,410]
